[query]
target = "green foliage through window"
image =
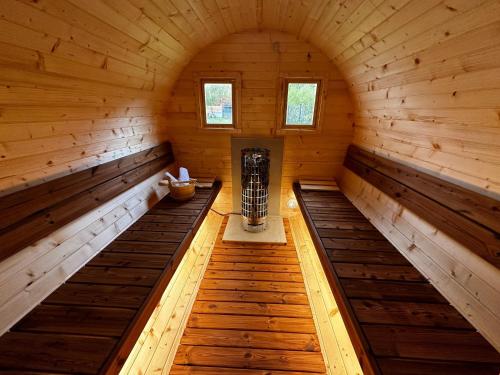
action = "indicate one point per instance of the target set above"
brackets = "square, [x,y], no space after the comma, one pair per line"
[301,102]
[218,103]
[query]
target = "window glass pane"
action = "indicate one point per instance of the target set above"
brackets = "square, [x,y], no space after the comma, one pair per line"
[301,101]
[218,103]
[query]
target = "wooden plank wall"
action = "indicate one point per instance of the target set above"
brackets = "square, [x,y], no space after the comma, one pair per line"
[30,275]
[261,58]
[83,84]
[426,85]
[80,85]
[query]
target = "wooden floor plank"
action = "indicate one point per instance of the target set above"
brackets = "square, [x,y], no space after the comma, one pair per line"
[251,339]
[252,308]
[254,267]
[253,258]
[248,296]
[218,250]
[251,285]
[253,246]
[248,275]
[245,322]
[203,370]
[250,358]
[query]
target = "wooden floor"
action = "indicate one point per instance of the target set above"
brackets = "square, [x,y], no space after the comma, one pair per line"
[408,327]
[84,324]
[251,315]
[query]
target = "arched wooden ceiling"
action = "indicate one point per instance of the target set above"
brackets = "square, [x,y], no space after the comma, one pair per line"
[424,75]
[411,65]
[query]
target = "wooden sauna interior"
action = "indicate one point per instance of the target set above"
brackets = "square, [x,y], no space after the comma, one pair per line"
[390,200]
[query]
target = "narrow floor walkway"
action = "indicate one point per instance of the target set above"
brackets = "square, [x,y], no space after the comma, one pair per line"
[251,315]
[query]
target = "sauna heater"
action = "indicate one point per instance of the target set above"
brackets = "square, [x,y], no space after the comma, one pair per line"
[254,188]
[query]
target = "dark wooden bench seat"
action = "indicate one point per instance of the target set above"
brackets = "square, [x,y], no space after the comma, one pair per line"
[401,321]
[90,324]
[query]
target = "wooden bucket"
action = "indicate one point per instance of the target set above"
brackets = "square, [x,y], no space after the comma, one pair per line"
[182,191]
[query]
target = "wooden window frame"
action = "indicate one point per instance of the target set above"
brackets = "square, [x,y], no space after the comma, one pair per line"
[282,127]
[234,78]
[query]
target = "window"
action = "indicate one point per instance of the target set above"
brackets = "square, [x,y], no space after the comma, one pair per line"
[218,101]
[301,102]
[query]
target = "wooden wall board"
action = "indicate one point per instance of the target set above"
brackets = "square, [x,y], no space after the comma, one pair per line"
[73,88]
[396,336]
[404,61]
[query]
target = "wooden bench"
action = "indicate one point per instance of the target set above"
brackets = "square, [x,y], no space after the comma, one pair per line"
[90,324]
[397,320]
